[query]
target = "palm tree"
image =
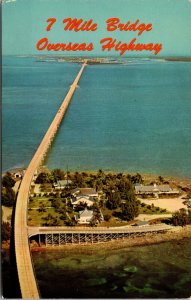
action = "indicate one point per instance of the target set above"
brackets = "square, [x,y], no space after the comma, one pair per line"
[42,207]
[161,179]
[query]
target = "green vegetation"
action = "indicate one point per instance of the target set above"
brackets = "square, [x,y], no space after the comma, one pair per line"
[181,218]
[151,209]
[50,211]
[44,177]
[5,231]
[117,203]
[8,194]
[50,177]
[8,181]
[57,174]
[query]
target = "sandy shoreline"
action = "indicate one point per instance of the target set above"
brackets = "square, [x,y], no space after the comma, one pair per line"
[149,239]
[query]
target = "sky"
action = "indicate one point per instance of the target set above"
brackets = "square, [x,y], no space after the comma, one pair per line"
[24,24]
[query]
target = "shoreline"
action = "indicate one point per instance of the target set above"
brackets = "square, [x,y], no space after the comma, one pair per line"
[146,176]
[149,239]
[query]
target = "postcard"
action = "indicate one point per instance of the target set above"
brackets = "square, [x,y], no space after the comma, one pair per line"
[96,143]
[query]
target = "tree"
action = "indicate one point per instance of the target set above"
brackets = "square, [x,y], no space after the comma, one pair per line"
[98,185]
[100,174]
[130,206]
[80,206]
[5,231]
[42,207]
[70,222]
[137,178]
[64,214]
[180,218]
[57,174]
[107,217]
[97,216]
[54,222]
[78,180]
[8,197]
[8,181]
[130,210]
[56,203]
[114,200]
[123,186]
[161,179]
[48,217]
[44,178]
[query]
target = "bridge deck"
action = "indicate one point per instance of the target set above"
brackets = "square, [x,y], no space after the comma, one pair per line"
[97,230]
[27,280]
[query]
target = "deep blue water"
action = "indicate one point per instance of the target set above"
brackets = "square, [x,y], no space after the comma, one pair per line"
[133,117]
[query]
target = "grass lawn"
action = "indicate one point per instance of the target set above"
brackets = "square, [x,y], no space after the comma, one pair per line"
[35,218]
[35,202]
[114,222]
[151,209]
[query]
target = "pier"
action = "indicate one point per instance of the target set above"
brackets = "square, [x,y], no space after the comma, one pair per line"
[27,280]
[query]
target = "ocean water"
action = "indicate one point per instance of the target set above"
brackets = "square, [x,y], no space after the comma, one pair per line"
[133,117]
[152,272]
[156,271]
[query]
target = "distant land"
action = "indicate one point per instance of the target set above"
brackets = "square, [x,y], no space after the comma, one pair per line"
[109,60]
[105,60]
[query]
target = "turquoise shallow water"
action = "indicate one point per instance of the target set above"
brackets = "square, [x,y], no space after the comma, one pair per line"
[157,271]
[133,117]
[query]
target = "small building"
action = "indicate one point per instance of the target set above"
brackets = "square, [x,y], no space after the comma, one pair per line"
[61,184]
[155,189]
[85,216]
[89,192]
[82,199]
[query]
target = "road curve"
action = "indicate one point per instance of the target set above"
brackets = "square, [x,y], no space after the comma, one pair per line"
[27,280]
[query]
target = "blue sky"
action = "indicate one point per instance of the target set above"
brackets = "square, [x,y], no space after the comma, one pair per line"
[24,24]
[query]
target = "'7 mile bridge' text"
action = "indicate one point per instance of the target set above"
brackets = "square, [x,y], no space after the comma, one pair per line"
[107,43]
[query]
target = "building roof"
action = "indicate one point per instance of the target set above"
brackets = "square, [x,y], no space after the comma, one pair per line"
[164,188]
[84,191]
[63,182]
[153,188]
[83,200]
[86,213]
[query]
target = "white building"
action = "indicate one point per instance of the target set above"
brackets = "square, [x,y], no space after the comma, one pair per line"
[61,184]
[85,216]
[82,199]
[155,189]
[88,192]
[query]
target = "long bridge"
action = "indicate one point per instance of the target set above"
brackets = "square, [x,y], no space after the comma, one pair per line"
[61,235]
[26,275]
[56,235]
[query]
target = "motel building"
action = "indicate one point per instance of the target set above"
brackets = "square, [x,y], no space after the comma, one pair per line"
[155,190]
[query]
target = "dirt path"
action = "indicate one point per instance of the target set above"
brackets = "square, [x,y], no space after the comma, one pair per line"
[147,217]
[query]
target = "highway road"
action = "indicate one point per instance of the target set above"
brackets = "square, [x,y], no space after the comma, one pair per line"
[27,280]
